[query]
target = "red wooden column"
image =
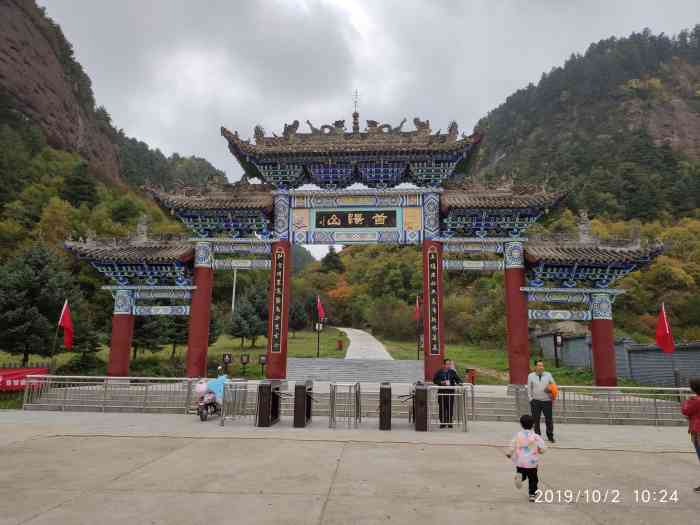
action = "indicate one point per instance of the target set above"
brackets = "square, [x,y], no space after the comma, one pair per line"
[516,314]
[200,311]
[602,340]
[433,325]
[122,334]
[278,319]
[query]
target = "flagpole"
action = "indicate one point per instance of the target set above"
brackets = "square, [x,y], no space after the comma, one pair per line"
[674,370]
[318,337]
[55,336]
[53,347]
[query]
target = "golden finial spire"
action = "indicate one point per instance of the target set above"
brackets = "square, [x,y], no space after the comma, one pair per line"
[356,115]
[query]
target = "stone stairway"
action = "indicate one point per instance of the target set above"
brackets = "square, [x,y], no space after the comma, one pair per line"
[352,370]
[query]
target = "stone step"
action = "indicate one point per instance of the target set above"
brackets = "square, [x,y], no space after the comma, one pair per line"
[354,370]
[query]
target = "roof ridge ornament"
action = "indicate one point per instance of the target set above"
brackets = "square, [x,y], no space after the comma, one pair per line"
[290,129]
[505,184]
[314,129]
[398,128]
[259,134]
[453,131]
[422,126]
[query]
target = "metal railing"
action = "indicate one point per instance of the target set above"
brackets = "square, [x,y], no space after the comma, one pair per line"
[239,400]
[345,403]
[350,402]
[102,393]
[450,407]
[621,405]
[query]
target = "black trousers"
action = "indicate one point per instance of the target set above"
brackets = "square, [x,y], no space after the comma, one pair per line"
[537,407]
[446,404]
[532,480]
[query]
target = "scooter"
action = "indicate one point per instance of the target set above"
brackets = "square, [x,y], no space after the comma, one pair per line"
[207,406]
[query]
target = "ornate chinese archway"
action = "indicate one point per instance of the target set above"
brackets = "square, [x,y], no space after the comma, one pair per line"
[309,195]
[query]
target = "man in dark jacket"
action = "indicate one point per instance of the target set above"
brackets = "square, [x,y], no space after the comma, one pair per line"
[446,376]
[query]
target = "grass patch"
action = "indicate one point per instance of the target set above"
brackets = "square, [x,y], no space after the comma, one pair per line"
[11,400]
[465,356]
[492,363]
[302,344]
[164,364]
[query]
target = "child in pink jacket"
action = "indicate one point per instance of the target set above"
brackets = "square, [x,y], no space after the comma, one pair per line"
[525,450]
[691,409]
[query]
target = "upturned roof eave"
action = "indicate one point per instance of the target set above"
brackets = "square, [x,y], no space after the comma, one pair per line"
[83,252]
[240,148]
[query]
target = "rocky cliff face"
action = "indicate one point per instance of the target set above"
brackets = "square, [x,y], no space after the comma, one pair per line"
[672,114]
[33,74]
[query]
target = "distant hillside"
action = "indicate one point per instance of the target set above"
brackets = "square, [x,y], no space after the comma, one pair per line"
[43,83]
[619,126]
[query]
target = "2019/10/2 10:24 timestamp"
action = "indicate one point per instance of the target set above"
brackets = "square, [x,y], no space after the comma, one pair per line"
[606,496]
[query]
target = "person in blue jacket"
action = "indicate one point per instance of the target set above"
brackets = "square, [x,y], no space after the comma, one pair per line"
[446,376]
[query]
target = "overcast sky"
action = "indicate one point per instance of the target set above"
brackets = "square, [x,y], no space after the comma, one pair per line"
[171,72]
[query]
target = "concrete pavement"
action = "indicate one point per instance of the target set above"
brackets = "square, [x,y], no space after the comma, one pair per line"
[364,345]
[144,469]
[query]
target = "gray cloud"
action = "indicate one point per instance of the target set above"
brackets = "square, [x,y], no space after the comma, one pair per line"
[171,72]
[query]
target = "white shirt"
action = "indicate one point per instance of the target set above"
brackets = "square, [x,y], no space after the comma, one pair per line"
[536,385]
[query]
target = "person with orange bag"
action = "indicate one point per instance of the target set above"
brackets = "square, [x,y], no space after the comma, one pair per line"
[541,390]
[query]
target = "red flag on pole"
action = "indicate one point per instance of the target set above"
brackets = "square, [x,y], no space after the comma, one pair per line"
[66,322]
[664,338]
[319,308]
[416,312]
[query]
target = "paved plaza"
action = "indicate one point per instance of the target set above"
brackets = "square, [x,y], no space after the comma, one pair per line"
[75,468]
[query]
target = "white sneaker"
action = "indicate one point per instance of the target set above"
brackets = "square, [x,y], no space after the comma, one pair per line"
[518,480]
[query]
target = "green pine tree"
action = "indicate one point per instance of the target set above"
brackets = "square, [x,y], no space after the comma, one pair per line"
[33,288]
[79,187]
[331,262]
[298,320]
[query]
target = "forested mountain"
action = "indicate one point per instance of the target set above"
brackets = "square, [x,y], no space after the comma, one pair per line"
[619,126]
[142,166]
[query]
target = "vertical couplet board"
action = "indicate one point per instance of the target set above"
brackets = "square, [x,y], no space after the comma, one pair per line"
[122,334]
[200,312]
[278,320]
[516,314]
[433,324]
[603,341]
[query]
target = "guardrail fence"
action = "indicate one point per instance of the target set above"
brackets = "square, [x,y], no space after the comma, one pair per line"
[113,394]
[345,403]
[239,400]
[621,405]
[426,407]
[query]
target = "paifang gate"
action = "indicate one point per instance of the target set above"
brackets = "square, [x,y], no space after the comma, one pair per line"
[381,185]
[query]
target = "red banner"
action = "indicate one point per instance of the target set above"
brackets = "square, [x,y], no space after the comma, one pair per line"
[15,379]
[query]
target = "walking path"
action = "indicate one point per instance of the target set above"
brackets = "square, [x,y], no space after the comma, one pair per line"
[85,468]
[364,346]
